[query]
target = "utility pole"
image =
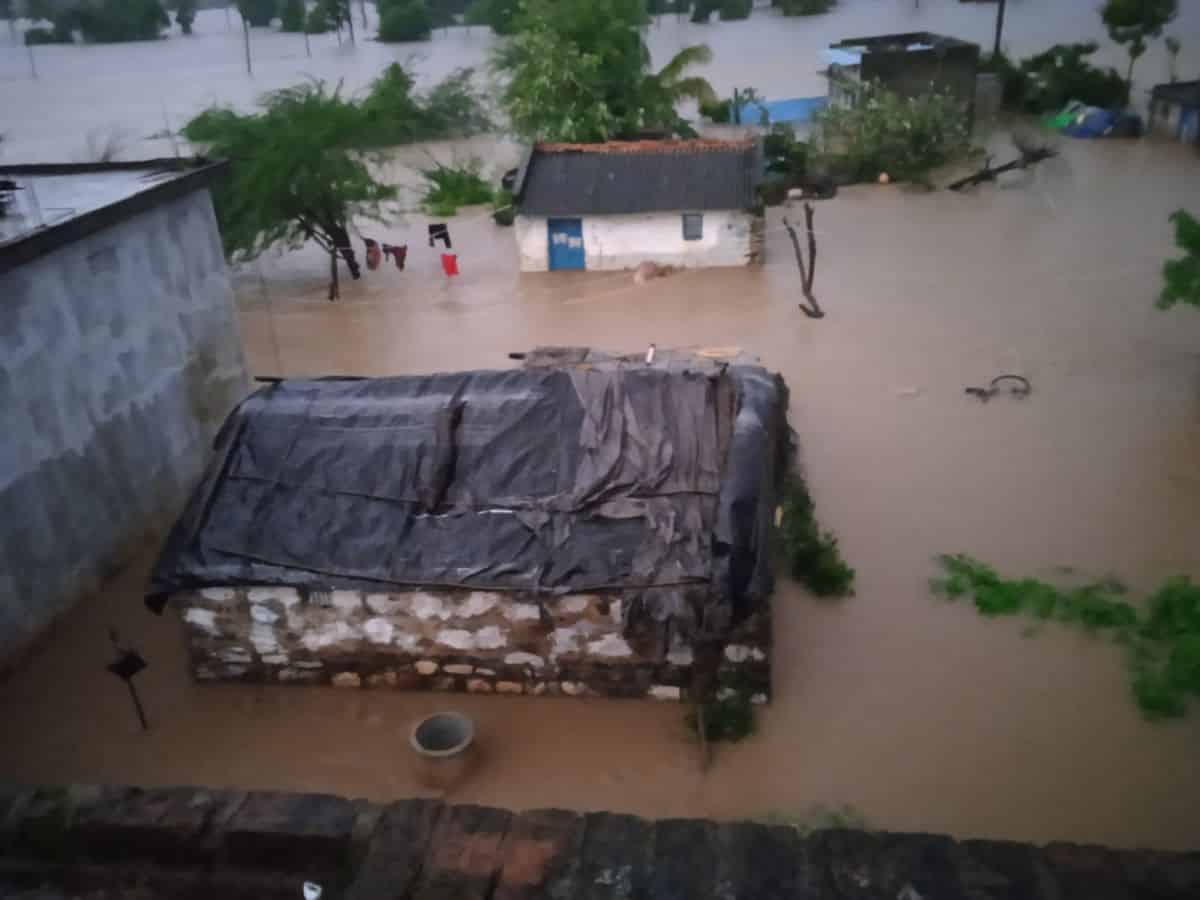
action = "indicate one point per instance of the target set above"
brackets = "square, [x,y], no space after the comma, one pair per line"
[350,20]
[363,6]
[32,62]
[246,35]
[999,27]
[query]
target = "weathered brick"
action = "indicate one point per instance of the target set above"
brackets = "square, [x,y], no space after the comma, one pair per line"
[163,824]
[1087,872]
[397,851]
[464,854]
[614,863]
[1004,870]
[301,832]
[685,860]
[539,855]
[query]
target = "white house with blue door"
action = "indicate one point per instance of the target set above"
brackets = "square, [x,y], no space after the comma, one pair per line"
[615,205]
[1175,111]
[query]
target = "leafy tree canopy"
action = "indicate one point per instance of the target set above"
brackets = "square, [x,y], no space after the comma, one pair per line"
[1131,22]
[578,70]
[257,13]
[404,20]
[292,16]
[1182,276]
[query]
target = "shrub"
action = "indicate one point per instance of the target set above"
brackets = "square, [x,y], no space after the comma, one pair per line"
[813,556]
[728,714]
[1181,276]
[702,11]
[504,210]
[393,114]
[883,132]
[785,155]
[731,10]
[806,7]
[719,111]
[185,14]
[292,18]
[1013,79]
[449,187]
[404,20]
[317,21]
[499,14]
[35,36]
[115,21]
[1055,77]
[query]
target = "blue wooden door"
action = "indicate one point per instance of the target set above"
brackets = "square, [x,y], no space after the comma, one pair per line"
[566,243]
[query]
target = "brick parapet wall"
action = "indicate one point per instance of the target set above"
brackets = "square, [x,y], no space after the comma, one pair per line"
[451,640]
[183,843]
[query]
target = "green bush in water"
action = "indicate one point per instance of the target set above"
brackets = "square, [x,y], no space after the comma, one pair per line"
[449,187]
[813,556]
[1162,643]
[404,20]
[292,18]
[1053,78]
[732,10]
[728,714]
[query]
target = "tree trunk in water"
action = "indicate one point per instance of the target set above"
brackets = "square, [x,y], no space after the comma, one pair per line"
[363,6]
[350,20]
[333,276]
[999,26]
[246,34]
[813,310]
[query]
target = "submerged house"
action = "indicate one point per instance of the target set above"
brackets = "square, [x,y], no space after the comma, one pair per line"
[908,64]
[1175,110]
[583,525]
[686,203]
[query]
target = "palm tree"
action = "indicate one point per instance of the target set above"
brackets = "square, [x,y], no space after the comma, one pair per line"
[664,90]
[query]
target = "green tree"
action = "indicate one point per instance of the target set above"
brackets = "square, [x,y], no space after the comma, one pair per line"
[1173,45]
[257,13]
[1131,22]
[295,175]
[500,15]
[115,21]
[291,18]
[185,14]
[404,20]
[578,70]
[39,10]
[1182,276]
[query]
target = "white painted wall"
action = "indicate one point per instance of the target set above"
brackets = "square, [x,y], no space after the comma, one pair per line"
[622,242]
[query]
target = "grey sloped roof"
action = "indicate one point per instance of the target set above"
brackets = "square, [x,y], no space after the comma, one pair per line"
[1185,93]
[641,176]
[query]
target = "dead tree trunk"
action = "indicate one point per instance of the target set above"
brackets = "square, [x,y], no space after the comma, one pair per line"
[334,293]
[807,273]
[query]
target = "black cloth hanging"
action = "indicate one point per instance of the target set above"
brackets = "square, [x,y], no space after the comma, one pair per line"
[439,231]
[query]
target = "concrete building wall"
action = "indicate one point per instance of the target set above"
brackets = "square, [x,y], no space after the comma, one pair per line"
[119,357]
[624,241]
[479,641]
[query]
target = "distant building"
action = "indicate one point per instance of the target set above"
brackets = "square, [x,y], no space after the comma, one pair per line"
[908,64]
[1175,110]
[119,358]
[687,203]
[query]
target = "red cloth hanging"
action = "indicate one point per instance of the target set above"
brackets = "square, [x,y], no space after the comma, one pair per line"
[450,264]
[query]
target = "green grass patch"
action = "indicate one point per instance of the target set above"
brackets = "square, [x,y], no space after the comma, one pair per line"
[813,556]
[1161,640]
[449,187]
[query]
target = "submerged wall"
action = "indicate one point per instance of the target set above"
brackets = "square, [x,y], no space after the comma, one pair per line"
[477,641]
[119,358]
[729,238]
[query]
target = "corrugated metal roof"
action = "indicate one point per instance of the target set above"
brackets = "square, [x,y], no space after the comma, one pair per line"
[640,176]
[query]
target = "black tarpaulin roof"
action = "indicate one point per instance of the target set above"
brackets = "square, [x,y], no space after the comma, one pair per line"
[592,474]
[640,176]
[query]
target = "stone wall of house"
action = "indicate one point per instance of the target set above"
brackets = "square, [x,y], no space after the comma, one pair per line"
[452,640]
[119,358]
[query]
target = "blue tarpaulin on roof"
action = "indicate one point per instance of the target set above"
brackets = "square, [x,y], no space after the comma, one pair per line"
[797,109]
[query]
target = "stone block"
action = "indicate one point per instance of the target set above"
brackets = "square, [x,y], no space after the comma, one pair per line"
[347,680]
[160,824]
[867,865]
[465,854]
[1005,870]
[509,687]
[303,832]
[615,860]
[1087,872]
[760,862]
[540,855]
[397,851]
[685,860]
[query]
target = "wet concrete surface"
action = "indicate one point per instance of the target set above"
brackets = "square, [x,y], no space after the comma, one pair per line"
[922,716]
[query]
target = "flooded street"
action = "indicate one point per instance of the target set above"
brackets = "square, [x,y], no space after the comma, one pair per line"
[919,715]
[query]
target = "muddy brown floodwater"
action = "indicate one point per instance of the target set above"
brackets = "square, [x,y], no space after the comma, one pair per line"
[918,714]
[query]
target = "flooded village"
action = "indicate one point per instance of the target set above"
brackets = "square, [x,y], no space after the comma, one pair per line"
[890,709]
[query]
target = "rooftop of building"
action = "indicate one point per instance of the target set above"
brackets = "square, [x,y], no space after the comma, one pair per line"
[1186,93]
[43,206]
[904,42]
[619,177]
